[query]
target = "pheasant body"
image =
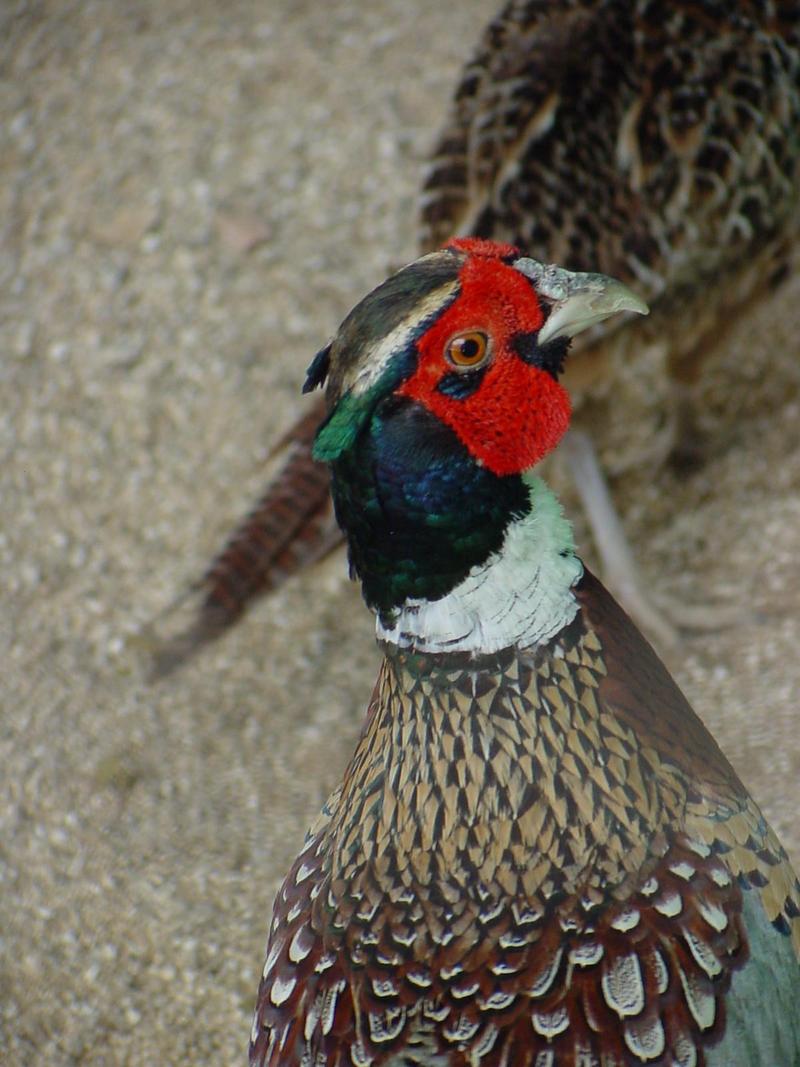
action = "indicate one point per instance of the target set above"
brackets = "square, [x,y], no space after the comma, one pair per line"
[538,854]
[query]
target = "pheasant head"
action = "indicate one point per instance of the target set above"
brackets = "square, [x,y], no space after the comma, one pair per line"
[443,391]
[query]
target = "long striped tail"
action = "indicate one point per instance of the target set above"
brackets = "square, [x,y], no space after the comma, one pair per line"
[291,526]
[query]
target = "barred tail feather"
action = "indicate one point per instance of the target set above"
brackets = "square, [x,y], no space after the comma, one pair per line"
[291,526]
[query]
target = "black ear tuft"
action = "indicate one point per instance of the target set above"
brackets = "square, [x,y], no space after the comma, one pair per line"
[318,369]
[549,356]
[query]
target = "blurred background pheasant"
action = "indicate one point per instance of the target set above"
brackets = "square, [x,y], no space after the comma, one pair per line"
[658,143]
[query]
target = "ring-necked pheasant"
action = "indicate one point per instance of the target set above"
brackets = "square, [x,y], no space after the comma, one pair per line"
[656,141]
[538,856]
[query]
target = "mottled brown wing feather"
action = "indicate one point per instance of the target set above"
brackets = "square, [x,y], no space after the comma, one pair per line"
[642,693]
[653,141]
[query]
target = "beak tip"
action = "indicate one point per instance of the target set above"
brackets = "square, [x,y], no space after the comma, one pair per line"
[627,300]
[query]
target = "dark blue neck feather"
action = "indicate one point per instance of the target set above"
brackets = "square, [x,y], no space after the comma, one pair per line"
[418,511]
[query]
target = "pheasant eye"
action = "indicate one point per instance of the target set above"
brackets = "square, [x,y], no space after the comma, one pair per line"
[468,349]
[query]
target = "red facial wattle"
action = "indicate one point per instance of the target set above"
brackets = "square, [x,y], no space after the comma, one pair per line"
[519,412]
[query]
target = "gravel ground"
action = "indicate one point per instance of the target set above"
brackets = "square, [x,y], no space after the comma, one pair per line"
[191,200]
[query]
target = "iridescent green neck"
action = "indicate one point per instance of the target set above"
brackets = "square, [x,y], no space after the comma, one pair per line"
[520,596]
[419,512]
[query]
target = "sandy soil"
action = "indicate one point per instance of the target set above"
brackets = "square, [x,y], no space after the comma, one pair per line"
[190,201]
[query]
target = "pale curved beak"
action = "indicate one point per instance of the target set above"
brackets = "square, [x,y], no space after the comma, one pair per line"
[577,300]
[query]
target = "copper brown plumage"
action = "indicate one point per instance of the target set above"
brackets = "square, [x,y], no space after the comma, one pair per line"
[659,142]
[506,860]
[538,854]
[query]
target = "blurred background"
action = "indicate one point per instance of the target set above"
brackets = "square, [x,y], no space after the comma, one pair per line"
[192,195]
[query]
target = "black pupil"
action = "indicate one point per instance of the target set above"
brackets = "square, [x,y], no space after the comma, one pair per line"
[470,348]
